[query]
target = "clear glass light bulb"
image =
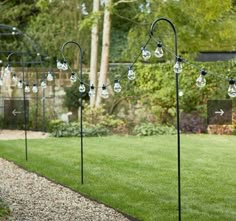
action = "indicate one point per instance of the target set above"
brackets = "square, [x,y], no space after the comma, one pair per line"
[73,77]
[7,70]
[232,88]
[49,76]
[117,86]
[201,81]
[14,77]
[131,74]
[178,67]
[82,88]
[146,54]
[27,88]
[64,66]
[159,51]
[1,82]
[20,84]
[13,31]
[104,92]
[35,88]
[92,91]
[59,65]
[43,84]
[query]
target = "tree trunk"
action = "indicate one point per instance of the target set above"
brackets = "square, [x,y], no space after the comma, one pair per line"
[94,52]
[105,50]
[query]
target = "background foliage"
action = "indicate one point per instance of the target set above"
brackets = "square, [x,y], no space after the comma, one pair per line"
[206,26]
[200,27]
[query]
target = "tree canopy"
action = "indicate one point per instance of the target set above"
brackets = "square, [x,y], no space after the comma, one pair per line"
[201,26]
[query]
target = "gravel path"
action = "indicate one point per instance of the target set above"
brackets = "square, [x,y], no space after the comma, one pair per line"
[34,198]
[20,134]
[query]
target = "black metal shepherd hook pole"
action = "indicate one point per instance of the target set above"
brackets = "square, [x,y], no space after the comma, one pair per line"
[24,105]
[81,103]
[177,107]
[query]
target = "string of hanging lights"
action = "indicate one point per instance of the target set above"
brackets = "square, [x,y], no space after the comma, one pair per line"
[64,66]
[146,55]
[131,74]
[201,79]
[19,82]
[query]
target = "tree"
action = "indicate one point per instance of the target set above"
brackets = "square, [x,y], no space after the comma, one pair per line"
[207,26]
[105,49]
[59,21]
[94,51]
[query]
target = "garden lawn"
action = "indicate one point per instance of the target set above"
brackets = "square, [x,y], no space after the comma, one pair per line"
[138,175]
[4,210]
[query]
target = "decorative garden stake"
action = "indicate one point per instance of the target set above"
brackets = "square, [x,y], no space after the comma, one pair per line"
[82,89]
[177,70]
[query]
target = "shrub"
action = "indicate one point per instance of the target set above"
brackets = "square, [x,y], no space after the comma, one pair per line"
[156,83]
[149,129]
[98,118]
[192,123]
[54,125]
[61,129]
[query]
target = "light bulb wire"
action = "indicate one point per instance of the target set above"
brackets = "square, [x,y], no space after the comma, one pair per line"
[124,74]
[80,77]
[186,62]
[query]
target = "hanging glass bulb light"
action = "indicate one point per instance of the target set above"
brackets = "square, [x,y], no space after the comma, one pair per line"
[131,74]
[35,88]
[27,88]
[59,65]
[14,77]
[201,81]
[159,51]
[64,65]
[7,71]
[43,84]
[92,91]
[73,77]
[145,54]
[49,76]
[104,92]
[1,82]
[232,88]
[82,88]
[13,31]
[20,84]
[178,66]
[117,86]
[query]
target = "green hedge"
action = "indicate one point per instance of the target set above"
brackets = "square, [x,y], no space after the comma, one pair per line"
[149,129]
[154,88]
[58,128]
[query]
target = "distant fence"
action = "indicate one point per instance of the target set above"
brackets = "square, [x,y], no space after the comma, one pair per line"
[216,56]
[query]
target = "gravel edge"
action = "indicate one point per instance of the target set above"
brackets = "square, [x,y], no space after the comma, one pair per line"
[34,197]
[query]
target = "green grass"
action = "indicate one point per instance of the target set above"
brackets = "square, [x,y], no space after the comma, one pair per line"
[4,210]
[138,175]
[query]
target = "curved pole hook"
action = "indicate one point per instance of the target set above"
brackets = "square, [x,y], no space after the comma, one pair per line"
[153,25]
[80,50]
[81,105]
